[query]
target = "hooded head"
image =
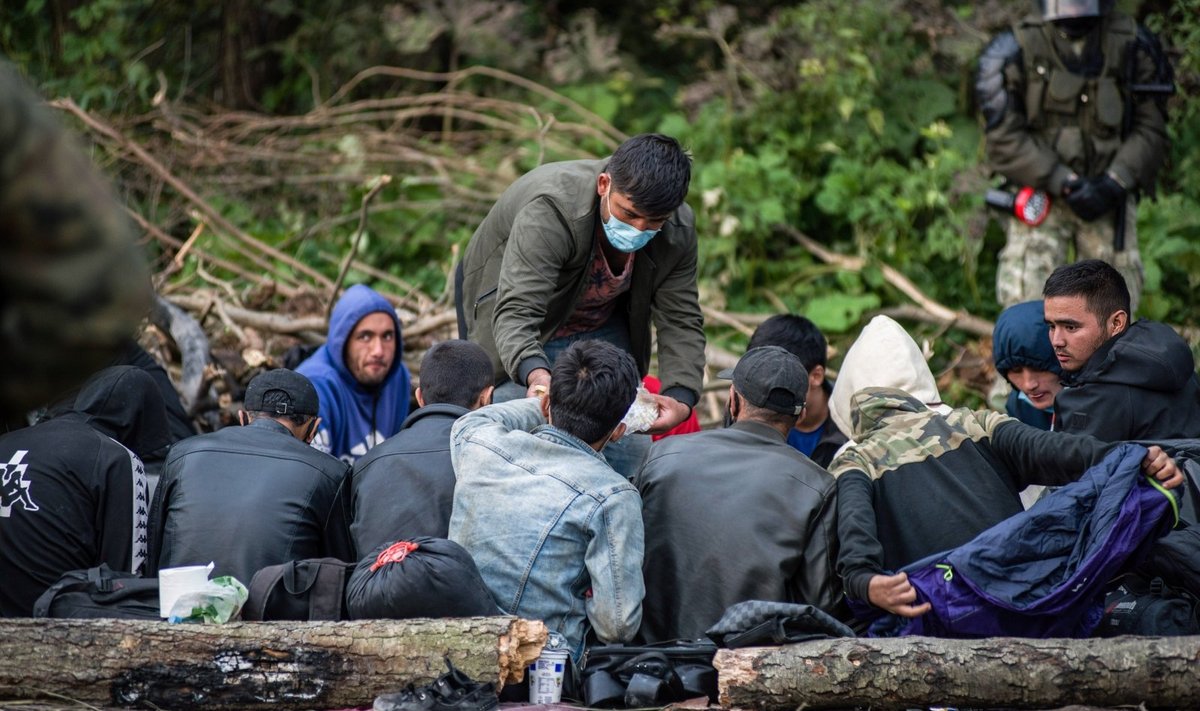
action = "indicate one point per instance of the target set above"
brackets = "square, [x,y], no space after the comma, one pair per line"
[1020,339]
[883,356]
[359,302]
[124,403]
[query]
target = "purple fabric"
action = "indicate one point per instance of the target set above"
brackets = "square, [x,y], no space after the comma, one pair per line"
[1042,573]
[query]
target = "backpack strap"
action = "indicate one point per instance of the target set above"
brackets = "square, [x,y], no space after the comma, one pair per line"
[261,585]
[328,589]
[72,581]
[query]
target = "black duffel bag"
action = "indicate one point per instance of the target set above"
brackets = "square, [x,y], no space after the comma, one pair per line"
[641,676]
[308,589]
[422,577]
[100,592]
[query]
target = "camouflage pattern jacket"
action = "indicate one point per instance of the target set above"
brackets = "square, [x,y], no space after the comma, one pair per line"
[73,284]
[917,483]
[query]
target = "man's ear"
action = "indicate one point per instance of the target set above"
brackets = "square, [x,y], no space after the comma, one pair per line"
[617,433]
[816,376]
[312,430]
[485,397]
[243,418]
[1117,322]
[545,403]
[603,181]
[420,397]
[735,404]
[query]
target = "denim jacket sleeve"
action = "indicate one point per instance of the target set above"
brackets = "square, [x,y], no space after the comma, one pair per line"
[614,562]
[497,419]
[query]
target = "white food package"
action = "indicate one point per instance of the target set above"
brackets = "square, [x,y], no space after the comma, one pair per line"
[642,413]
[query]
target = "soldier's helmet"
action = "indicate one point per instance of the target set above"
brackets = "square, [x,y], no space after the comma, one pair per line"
[1054,10]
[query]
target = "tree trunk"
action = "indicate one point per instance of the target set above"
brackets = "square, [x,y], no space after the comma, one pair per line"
[253,665]
[997,672]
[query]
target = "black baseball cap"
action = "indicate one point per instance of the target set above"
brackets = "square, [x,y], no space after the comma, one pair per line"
[770,377]
[301,397]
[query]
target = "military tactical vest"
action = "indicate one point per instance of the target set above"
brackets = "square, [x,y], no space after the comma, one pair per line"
[1080,117]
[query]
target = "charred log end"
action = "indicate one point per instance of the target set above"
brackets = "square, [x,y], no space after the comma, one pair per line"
[247,676]
[519,648]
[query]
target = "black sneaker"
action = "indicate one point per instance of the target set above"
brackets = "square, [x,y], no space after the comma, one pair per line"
[452,691]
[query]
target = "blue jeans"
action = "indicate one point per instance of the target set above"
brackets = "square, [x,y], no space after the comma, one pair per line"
[627,454]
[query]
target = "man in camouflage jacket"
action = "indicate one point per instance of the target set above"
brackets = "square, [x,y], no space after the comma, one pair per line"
[73,283]
[1072,98]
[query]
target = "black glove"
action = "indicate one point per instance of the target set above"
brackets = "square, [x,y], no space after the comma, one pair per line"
[1092,197]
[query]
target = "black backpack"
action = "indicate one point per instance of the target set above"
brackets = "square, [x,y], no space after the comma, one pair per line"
[311,589]
[1149,607]
[100,592]
[621,676]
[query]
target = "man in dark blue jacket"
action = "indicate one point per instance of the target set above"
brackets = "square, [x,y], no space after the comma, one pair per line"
[405,486]
[1124,381]
[362,382]
[256,495]
[1024,357]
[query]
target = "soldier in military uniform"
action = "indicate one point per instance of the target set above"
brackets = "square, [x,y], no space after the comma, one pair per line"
[73,283]
[1073,100]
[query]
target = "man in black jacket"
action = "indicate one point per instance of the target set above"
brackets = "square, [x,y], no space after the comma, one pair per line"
[73,490]
[257,495]
[1123,381]
[737,514]
[815,435]
[405,486]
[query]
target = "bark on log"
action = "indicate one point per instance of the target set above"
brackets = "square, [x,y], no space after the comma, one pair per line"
[253,665]
[988,673]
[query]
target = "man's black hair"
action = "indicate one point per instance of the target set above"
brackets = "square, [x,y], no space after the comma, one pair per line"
[654,171]
[271,398]
[592,385]
[795,334]
[1097,281]
[455,372]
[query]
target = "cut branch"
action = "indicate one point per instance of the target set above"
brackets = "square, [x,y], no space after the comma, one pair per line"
[988,673]
[261,665]
[937,312]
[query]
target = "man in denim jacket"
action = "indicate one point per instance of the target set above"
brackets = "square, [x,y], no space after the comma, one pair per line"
[556,533]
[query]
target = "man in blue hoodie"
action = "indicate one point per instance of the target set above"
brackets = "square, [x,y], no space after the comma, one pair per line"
[361,380]
[1024,357]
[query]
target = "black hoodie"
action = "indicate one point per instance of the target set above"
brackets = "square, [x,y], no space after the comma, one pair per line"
[72,495]
[1139,385]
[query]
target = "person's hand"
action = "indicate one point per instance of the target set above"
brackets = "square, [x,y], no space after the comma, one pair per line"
[896,595]
[1159,465]
[671,413]
[1092,197]
[538,382]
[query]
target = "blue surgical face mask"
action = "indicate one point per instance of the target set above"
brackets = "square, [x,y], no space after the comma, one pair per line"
[622,236]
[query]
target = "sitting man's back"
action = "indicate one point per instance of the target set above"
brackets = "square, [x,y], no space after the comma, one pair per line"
[405,487]
[73,491]
[257,495]
[556,533]
[737,513]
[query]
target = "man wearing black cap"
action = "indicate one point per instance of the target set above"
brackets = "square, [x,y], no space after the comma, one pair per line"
[737,514]
[257,495]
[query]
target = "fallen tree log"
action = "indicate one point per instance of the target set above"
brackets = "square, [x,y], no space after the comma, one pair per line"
[253,665]
[987,673]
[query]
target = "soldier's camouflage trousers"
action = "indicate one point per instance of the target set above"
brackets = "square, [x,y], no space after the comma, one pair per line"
[1033,252]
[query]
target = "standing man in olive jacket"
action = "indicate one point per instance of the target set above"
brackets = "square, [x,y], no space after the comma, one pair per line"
[590,249]
[737,513]
[1073,101]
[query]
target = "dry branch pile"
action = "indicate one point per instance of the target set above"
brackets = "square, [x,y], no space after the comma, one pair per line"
[188,171]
